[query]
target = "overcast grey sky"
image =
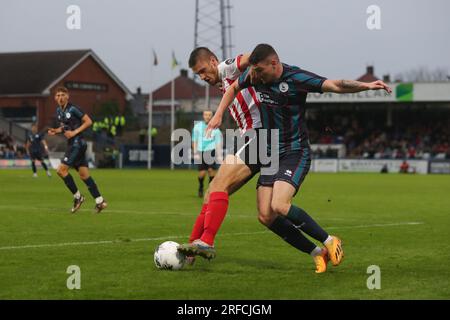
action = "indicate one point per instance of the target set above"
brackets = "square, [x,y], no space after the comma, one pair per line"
[324,36]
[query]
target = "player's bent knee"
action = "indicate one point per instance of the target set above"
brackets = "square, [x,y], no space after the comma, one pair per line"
[62,172]
[266,219]
[225,182]
[280,207]
[219,185]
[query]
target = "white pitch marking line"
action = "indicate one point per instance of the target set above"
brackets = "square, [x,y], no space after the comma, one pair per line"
[174,213]
[64,244]
[379,225]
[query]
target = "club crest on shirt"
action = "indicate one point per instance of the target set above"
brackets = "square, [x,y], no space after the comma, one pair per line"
[68,115]
[229,61]
[284,87]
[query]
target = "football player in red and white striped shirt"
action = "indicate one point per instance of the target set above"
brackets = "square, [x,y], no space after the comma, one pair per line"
[236,169]
[244,109]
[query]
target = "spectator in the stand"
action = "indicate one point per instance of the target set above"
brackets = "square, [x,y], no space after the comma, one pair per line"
[330,153]
[106,123]
[113,131]
[142,134]
[122,124]
[415,138]
[153,134]
[119,122]
[411,152]
[96,130]
[404,167]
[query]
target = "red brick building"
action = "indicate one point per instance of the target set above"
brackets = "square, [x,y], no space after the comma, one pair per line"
[28,81]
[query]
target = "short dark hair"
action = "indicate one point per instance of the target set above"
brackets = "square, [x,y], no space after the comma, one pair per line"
[197,53]
[261,52]
[62,89]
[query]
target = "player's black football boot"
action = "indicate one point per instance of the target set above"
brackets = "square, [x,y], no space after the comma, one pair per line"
[77,204]
[100,206]
[198,248]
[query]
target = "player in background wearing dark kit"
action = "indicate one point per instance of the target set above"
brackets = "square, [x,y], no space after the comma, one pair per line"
[282,91]
[205,149]
[73,121]
[36,148]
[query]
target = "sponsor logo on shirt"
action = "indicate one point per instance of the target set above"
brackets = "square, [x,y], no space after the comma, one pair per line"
[229,61]
[265,98]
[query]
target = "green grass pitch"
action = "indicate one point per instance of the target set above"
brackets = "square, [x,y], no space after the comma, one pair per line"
[400,223]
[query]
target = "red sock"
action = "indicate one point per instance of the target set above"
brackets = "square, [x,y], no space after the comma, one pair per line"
[217,209]
[197,231]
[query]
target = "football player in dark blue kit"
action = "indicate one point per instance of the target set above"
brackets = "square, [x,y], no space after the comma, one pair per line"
[282,91]
[73,121]
[36,148]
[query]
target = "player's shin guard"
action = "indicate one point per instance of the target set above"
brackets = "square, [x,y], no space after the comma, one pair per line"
[289,233]
[33,166]
[300,218]
[215,213]
[199,224]
[44,166]
[68,180]
[90,183]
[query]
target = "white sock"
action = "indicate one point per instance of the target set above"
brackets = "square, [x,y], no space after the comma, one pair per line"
[99,200]
[328,240]
[316,252]
[77,195]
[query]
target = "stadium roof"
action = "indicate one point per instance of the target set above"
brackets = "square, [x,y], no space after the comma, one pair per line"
[35,73]
[185,88]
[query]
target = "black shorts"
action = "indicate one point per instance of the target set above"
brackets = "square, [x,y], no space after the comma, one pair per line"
[293,168]
[247,149]
[75,155]
[208,160]
[36,155]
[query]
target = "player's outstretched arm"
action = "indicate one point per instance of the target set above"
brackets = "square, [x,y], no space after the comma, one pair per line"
[352,86]
[227,100]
